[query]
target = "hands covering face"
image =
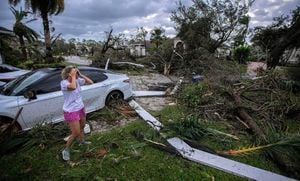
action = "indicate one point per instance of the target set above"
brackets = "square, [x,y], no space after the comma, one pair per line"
[73,72]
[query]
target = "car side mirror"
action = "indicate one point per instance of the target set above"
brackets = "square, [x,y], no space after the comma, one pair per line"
[30,95]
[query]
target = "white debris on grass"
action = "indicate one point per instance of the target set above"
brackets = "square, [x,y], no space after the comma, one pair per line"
[211,160]
[224,164]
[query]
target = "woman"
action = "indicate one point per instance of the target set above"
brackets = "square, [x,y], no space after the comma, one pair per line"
[73,107]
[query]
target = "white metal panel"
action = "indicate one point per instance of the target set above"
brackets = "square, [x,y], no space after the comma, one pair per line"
[152,121]
[148,93]
[224,164]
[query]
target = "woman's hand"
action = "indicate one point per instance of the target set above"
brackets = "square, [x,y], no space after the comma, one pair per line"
[73,73]
[78,73]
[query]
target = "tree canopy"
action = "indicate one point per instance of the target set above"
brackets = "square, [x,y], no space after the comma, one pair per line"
[44,8]
[283,34]
[210,24]
[157,36]
[23,31]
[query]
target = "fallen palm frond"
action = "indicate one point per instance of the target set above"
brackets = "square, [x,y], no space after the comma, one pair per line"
[287,144]
[158,145]
[191,128]
[43,135]
[125,110]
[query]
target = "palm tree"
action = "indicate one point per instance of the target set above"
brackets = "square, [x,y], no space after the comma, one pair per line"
[157,36]
[23,31]
[44,8]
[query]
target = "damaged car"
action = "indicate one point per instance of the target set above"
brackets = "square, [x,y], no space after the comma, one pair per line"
[38,94]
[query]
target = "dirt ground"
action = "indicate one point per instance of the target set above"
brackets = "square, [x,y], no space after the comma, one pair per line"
[151,81]
[253,68]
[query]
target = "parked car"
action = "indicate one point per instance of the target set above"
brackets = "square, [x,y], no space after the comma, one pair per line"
[2,84]
[38,92]
[8,72]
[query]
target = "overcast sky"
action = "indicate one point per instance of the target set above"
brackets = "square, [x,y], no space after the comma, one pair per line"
[88,19]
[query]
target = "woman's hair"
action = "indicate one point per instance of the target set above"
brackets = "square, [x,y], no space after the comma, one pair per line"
[65,72]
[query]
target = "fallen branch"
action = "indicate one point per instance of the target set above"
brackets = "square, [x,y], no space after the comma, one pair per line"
[12,124]
[164,147]
[245,116]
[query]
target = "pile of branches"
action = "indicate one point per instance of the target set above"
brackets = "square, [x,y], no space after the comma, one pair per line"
[258,107]
[41,135]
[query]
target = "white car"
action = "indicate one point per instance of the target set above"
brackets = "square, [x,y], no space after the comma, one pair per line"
[8,73]
[39,94]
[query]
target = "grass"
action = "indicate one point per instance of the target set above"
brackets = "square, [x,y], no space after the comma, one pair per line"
[132,160]
[219,143]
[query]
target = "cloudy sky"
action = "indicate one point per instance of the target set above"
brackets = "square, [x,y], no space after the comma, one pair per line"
[88,19]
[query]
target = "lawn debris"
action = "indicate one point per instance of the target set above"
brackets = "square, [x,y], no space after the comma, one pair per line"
[10,128]
[43,135]
[99,153]
[124,109]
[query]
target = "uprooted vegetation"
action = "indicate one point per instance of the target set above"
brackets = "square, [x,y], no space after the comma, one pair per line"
[262,113]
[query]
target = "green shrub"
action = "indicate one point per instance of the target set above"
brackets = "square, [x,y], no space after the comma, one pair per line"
[196,95]
[241,53]
[27,64]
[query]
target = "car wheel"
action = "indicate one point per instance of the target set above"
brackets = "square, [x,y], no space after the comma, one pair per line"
[113,98]
[7,128]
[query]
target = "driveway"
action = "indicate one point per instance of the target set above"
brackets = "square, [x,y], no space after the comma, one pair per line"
[151,81]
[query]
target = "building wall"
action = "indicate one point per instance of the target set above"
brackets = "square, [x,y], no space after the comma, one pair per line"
[295,56]
[137,50]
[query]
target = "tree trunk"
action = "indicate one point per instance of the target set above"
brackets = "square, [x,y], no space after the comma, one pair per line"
[23,49]
[167,68]
[246,117]
[49,56]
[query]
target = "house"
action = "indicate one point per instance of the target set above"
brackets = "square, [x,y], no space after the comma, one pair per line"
[137,50]
[179,44]
[294,57]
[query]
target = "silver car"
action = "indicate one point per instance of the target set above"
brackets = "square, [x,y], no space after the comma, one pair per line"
[39,94]
[8,73]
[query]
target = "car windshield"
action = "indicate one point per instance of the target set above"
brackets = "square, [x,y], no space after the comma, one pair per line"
[14,87]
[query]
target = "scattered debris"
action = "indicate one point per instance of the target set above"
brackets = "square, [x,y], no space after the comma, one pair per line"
[224,164]
[205,158]
[145,115]
[100,153]
[10,128]
[148,93]
[129,63]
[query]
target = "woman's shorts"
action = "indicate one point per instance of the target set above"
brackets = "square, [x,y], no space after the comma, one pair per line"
[74,116]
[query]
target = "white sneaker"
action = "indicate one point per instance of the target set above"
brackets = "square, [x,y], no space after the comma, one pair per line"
[66,154]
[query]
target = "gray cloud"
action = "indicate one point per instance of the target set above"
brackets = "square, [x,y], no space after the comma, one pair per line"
[88,19]
[263,12]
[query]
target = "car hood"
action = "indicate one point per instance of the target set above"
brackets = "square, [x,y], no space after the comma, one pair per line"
[6,99]
[14,74]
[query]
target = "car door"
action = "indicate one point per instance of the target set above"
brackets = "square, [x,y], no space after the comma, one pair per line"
[47,107]
[93,95]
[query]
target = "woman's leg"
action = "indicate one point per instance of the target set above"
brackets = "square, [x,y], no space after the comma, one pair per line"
[75,132]
[82,122]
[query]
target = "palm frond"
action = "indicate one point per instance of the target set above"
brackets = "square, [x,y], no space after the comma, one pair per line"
[291,144]
[192,128]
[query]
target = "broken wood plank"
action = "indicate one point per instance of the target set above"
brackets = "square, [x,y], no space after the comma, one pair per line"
[152,121]
[129,63]
[224,164]
[178,84]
